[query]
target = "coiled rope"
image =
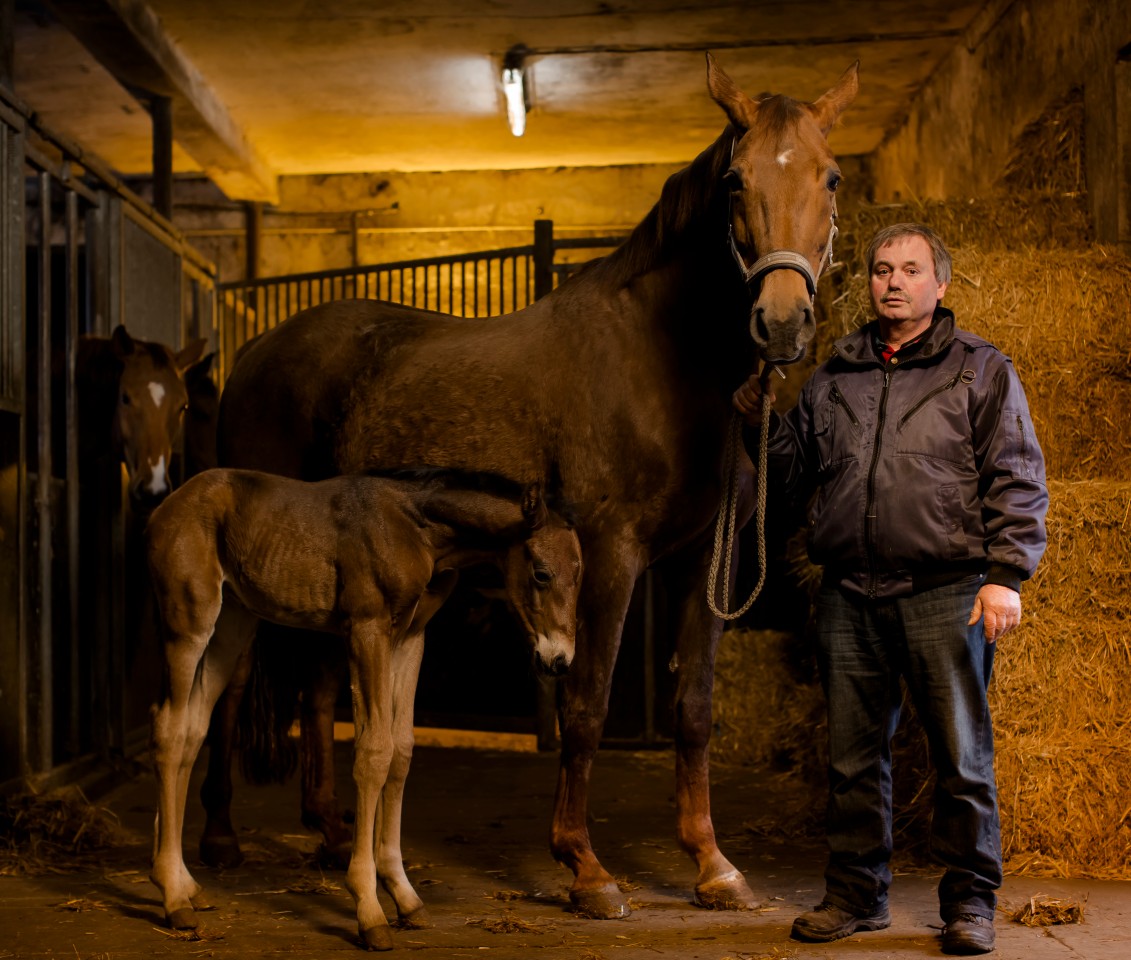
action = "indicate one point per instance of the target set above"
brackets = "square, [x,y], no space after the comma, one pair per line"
[728,510]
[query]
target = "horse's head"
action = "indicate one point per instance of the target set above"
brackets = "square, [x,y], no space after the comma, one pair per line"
[782,180]
[543,577]
[150,403]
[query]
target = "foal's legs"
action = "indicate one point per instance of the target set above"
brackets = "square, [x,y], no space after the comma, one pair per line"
[372,686]
[407,656]
[390,865]
[605,595]
[198,672]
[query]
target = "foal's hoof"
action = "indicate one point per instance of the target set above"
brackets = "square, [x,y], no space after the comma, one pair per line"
[417,919]
[183,919]
[376,938]
[336,857]
[727,893]
[600,903]
[221,850]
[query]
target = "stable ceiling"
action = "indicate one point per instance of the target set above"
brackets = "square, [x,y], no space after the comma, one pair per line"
[262,88]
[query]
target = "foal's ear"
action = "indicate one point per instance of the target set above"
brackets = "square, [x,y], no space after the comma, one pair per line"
[187,356]
[121,341]
[534,506]
[739,108]
[832,104]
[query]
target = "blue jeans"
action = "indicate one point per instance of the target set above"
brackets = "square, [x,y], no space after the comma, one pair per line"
[864,648]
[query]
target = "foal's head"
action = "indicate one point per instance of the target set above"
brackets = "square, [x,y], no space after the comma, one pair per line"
[542,574]
[147,416]
[782,180]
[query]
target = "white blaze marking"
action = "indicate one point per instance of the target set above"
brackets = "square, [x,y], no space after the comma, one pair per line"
[158,393]
[157,483]
[784,157]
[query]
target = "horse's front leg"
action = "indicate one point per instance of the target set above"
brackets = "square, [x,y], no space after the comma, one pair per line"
[371,683]
[720,885]
[319,800]
[602,606]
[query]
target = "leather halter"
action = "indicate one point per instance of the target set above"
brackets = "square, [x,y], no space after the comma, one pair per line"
[781,259]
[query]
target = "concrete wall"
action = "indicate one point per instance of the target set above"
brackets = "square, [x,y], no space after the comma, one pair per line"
[1018,58]
[325,222]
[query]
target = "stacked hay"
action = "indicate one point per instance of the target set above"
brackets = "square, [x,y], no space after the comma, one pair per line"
[1062,716]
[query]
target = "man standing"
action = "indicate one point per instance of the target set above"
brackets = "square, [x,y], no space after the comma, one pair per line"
[929,514]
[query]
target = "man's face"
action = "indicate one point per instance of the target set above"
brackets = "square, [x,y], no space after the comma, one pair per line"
[904,287]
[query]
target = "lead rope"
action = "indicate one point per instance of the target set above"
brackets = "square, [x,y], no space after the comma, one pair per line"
[728,510]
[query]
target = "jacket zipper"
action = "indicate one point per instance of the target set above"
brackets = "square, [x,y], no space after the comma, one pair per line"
[870,505]
[949,385]
[1024,440]
[837,398]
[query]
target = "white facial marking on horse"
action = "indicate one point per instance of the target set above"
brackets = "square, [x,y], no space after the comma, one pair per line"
[157,483]
[784,157]
[158,393]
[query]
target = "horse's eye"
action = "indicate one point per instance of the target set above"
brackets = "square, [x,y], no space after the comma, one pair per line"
[125,399]
[732,181]
[542,576]
[834,181]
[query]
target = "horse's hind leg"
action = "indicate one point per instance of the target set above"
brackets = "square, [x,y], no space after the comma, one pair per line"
[219,846]
[319,801]
[371,682]
[606,592]
[719,885]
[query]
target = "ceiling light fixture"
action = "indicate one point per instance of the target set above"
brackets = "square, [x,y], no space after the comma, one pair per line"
[514,88]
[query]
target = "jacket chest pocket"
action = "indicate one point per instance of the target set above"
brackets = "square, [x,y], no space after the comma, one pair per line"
[836,430]
[937,424]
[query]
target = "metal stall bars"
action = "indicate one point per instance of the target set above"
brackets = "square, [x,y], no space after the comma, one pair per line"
[79,253]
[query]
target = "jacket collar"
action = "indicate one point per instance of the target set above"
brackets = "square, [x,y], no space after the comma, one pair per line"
[858,347]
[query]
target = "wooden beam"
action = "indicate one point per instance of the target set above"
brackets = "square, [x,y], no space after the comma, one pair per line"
[127,38]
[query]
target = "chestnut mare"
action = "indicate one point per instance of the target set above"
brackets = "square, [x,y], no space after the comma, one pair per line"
[622,379]
[131,397]
[366,557]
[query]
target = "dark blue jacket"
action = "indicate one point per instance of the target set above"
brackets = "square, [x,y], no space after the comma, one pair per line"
[926,469]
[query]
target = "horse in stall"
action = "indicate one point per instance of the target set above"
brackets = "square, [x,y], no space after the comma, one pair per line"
[131,398]
[372,559]
[621,378]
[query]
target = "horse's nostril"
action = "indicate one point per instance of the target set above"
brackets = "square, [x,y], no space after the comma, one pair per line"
[559,665]
[758,329]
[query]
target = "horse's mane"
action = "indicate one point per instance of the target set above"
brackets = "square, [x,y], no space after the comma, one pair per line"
[482,481]
[687,194]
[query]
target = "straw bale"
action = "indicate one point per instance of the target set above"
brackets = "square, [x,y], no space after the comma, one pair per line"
[1064,320]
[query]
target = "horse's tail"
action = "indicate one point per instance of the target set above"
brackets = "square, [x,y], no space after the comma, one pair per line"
[268,753]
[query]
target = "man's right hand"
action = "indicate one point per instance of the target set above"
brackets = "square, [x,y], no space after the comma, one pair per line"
[747,399]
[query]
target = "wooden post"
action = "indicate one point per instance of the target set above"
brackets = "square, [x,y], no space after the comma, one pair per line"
[253,236]
[543,258]
[161,113]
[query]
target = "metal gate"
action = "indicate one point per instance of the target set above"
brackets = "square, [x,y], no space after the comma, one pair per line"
[79,253]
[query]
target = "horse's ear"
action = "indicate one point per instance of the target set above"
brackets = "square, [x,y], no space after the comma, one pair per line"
[187,356]
[121,341]
[201,370]
[828,108]
[739,108]
[534,506]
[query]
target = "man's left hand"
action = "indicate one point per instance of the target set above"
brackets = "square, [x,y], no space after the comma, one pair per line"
[1001,608]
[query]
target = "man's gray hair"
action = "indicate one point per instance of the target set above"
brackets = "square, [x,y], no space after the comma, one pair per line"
[897,231]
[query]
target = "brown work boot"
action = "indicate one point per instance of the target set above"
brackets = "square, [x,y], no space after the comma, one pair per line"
[968,934]
[829,922]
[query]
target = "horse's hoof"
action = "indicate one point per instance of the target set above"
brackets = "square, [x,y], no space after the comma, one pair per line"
[377,938]
[416,919]
[729,893]
[336,857]
[600,903]
[183,919]
[222,850]
[200,903]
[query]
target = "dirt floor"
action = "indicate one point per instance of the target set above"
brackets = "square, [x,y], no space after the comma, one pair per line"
[476,824]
